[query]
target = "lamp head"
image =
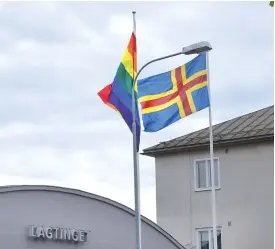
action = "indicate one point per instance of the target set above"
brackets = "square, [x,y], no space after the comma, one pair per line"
[197,48]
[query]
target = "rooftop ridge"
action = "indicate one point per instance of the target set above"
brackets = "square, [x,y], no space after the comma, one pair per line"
[254,129]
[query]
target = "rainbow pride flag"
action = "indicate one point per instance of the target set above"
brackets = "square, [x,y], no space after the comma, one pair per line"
[118,95]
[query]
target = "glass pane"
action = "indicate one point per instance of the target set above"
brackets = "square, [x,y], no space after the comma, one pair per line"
[216,172]
[201,174]
[204,241]
[219,239]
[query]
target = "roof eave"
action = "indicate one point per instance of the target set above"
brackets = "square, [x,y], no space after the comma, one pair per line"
[154,152]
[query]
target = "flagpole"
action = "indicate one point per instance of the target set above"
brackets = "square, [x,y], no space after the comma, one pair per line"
[135,160]
[213,187]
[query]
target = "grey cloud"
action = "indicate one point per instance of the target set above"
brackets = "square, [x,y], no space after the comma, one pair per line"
[55,57]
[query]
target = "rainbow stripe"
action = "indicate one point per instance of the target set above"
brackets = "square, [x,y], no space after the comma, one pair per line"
[118,95]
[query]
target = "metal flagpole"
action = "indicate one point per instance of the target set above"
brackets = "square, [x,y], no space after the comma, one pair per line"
[135,159]
[213,187]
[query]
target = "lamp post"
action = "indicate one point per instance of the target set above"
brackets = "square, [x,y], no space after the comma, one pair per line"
[191,49]
[195,49]
[135,156]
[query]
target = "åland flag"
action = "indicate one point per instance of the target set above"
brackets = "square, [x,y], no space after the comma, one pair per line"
[165,98]
[118,95]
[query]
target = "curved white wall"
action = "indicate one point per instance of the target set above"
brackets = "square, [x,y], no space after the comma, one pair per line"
[111,225]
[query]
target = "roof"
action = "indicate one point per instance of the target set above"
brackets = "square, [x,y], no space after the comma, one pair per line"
[255,126]
[18,188]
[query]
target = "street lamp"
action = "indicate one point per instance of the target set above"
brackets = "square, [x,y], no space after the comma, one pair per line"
[195,48]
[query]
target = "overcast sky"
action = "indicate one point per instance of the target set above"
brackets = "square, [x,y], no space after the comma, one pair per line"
[55,57]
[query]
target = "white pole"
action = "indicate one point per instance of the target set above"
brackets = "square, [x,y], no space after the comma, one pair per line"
[213,187]
[135,159]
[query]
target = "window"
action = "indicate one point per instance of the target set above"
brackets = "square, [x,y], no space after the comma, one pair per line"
[203,174]
[205,239]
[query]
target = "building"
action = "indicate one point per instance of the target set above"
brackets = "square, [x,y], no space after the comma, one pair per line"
[40,217]
[244,163]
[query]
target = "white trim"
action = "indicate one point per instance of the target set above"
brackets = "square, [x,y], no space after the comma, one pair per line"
[197,239]
[205,229]
[207,172]
[195,175]
[196,189]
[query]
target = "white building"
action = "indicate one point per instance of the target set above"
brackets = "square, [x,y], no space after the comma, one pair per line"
[50,217]
[244,161]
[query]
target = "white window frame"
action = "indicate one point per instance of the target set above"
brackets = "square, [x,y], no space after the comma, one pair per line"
[197,189]
[207,229]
